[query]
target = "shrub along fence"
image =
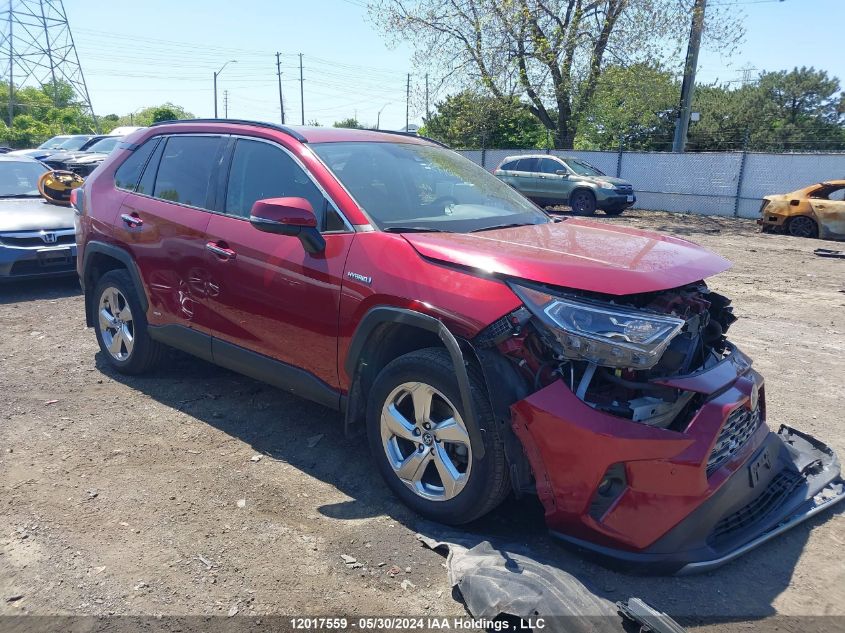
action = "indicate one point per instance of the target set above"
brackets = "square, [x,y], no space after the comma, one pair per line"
[711,183]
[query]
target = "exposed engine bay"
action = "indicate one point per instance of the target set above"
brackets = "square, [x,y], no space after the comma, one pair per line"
[590,342]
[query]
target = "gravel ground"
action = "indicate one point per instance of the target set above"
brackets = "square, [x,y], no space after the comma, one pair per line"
[195,491]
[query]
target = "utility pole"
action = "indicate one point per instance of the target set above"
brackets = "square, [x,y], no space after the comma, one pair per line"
[682,122]
[301,90]
[11,74]
[279,75]
[225,104]
[217,74]
[408,103]
[427,111]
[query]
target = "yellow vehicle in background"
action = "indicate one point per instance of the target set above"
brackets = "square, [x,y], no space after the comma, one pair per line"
[815,211]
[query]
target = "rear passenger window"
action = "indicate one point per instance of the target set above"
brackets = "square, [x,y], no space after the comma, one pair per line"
[128,174]
[508,166]
[185,169]
[261,170]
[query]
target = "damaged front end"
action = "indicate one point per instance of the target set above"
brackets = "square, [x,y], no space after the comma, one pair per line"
[645,428]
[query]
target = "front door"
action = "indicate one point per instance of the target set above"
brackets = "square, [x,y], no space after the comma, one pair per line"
[271,296]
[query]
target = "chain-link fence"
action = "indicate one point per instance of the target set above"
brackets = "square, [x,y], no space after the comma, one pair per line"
[711,183]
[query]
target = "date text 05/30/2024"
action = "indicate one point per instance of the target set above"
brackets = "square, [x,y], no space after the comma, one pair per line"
[414,623]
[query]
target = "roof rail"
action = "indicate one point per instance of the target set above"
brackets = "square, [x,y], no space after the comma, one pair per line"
[273,126]
[411,134]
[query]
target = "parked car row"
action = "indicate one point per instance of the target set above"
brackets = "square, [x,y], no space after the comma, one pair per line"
[482,345]
[37,237]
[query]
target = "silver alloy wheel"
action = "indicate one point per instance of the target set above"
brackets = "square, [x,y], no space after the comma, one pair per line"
[802,226]
[116,325]
[426,441]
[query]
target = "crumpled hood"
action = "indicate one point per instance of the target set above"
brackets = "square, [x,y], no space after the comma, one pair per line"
[33,214]
[577,254]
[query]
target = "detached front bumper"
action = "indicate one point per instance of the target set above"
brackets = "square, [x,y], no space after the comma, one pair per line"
[691,500]
[33,262]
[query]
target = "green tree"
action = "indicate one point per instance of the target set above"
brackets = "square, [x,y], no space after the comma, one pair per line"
[351,122]
[634,105]
[551,53]
[152,114]
[785,111]
[471,119]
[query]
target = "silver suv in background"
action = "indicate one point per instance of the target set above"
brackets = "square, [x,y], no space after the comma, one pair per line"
[553,180]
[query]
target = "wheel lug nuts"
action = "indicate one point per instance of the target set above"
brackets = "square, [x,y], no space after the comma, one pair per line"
[417,432]
[426,426]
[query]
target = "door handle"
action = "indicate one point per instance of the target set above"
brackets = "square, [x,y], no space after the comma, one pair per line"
[221,251]
[131,220]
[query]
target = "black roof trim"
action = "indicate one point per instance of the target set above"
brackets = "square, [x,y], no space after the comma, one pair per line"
[272,126]
[411,134]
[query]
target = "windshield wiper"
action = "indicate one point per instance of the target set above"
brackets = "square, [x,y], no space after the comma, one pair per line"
[412,229]
[20,195]
[502,226]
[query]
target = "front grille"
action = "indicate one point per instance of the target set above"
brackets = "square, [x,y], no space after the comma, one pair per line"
[35,241]
[627,189]
[776,492]
[739,427]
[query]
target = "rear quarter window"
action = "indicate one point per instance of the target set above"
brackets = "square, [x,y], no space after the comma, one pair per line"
[129,173]
[509,166]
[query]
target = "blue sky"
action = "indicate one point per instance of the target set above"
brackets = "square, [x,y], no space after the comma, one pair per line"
[145,53]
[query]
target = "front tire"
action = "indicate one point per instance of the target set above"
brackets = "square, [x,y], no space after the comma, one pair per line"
[121,325]
[614,212]
[583,202]
[419,438]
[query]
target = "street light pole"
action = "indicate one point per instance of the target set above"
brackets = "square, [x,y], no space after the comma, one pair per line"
[231,61]
[378,116]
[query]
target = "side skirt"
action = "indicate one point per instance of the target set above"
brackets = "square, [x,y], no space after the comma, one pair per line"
[243,361]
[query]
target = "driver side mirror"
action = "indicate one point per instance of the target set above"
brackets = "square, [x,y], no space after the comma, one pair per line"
[562,172]
[288,216]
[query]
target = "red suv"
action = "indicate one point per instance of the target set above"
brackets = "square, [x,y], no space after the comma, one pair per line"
[485,346]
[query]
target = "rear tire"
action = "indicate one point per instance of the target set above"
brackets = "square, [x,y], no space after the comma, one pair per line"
[583,202]
[121,325]
[803,226]
[432,469]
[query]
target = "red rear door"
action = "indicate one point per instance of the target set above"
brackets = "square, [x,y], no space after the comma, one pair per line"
[163,223]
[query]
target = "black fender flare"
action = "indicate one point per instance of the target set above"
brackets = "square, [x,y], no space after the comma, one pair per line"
[121,255]
[387,314]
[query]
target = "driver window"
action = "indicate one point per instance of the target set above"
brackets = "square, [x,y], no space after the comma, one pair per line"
[260,170]
[549,166]
[837,195]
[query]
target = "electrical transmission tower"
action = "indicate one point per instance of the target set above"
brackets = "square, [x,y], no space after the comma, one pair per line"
[37,48]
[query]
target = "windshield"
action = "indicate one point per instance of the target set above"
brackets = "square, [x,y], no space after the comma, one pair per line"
[20,179]
[75,142]
[53,143]
[404,186]
[582,168]
[105,145]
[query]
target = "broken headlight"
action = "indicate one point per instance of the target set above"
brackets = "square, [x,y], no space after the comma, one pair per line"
[604,334]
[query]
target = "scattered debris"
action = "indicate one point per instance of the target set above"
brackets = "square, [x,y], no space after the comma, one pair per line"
[649,618]
[314,440]
[208,564]
[241,503]
[407,584]
[15,598]
[826,252]
[92,494]
[348,559]
[49,402]
[141,585]
[507,579]
[394,570]
[255,458]
[233,610]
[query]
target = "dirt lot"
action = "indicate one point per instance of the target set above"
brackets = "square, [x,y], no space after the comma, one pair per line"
[144,496]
